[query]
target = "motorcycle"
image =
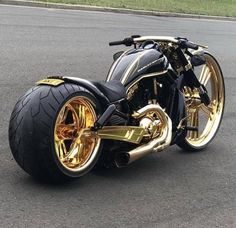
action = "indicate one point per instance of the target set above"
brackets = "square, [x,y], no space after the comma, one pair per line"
[163,91]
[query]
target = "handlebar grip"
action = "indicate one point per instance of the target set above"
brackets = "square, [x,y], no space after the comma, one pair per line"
[184,43]
[127,42]
[116,43]
[191,45]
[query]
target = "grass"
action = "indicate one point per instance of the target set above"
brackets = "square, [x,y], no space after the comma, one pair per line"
[203,7]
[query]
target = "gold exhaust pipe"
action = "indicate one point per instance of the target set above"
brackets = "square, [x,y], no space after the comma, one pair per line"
[155,145]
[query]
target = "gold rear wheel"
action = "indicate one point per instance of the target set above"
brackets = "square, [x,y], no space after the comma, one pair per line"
[45,132]
[205,119]
[74,152]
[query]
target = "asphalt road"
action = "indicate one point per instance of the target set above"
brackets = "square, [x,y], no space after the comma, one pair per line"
[169,189]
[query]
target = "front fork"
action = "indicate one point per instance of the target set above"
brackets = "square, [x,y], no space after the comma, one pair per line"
[191,79]
[193,82]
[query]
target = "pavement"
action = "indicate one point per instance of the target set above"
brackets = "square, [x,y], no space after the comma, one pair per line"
[55,5]
[169,189]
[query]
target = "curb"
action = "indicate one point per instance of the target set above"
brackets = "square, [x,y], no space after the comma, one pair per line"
[113,10]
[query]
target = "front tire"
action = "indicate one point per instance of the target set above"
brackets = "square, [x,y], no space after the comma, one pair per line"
[44,132]
[206,119]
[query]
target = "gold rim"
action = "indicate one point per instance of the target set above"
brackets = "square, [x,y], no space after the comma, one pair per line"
[75,152]
[205,118]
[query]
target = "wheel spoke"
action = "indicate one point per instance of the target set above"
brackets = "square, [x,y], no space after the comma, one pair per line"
[73,152]
[208,110]
[73,148]
[206,78]
[61,148]
[60,115]
[63,114]
[204,69]
[76,153]
[205,75]
[66,131]
[194,122]
[68,126]
[82,116]
[80,152]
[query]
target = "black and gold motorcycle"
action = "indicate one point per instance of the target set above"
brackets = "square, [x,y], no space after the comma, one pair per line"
[163,91]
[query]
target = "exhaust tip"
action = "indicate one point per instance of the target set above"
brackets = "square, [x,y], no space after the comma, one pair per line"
[122,159]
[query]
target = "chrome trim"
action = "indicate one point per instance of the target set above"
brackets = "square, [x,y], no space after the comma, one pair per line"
[131,66]
[131,134]
[163,39]
[114,66]
[156,38]
[155,145]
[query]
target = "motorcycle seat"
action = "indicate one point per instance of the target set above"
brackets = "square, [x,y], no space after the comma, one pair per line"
[114,90]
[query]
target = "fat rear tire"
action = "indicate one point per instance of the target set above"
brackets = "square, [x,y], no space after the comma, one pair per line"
[31,131]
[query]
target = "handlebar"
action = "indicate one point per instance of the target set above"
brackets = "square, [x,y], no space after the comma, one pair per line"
[127,42]
[182,42]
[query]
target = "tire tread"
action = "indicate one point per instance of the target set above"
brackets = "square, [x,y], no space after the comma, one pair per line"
[31,130]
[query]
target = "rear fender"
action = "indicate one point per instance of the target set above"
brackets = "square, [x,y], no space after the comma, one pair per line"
[90,87]
[57,80]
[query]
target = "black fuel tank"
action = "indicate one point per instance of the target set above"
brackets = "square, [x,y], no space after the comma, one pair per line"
[136,63]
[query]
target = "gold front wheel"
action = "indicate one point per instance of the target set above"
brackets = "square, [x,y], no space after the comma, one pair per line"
[205,120]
